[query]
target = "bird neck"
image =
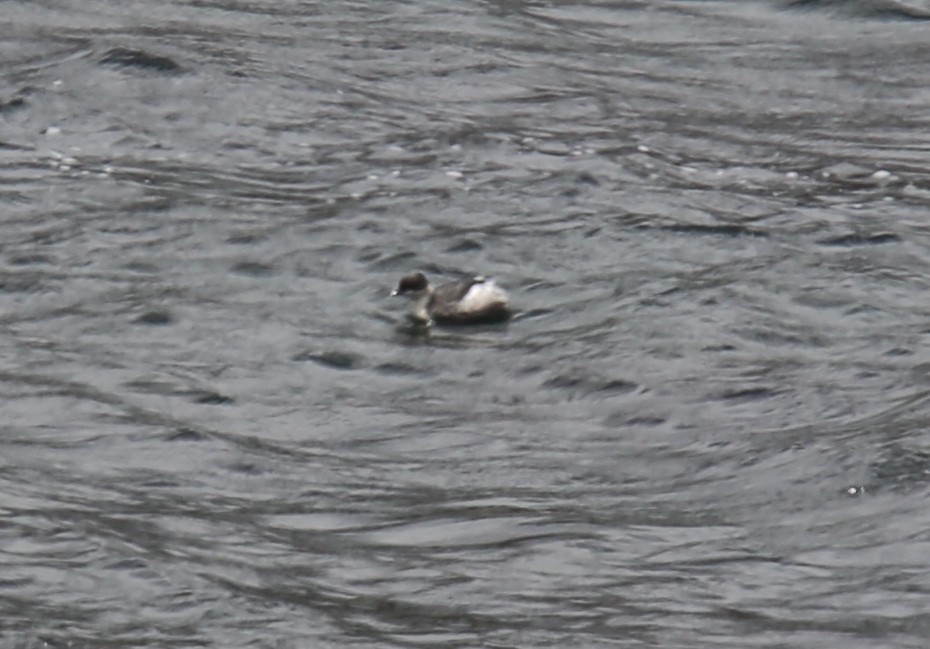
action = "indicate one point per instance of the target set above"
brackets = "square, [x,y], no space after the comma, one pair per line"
[420,310]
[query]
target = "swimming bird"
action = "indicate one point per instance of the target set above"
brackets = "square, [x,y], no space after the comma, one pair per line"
[472,301]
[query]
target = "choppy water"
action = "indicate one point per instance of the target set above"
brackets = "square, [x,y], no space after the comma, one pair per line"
[707,427]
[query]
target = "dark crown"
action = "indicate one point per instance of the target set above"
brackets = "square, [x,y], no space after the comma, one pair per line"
[412,283]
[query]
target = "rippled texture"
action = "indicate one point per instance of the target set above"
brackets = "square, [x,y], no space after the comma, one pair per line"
[704,428]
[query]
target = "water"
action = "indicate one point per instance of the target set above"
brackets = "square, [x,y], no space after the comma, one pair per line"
[705,428]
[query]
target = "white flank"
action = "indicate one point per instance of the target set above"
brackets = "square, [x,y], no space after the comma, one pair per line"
[481,296]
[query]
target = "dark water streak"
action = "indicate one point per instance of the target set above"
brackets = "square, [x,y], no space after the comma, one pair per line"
[704,428]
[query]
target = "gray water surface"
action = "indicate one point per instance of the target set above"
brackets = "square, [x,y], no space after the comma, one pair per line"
[706,427]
